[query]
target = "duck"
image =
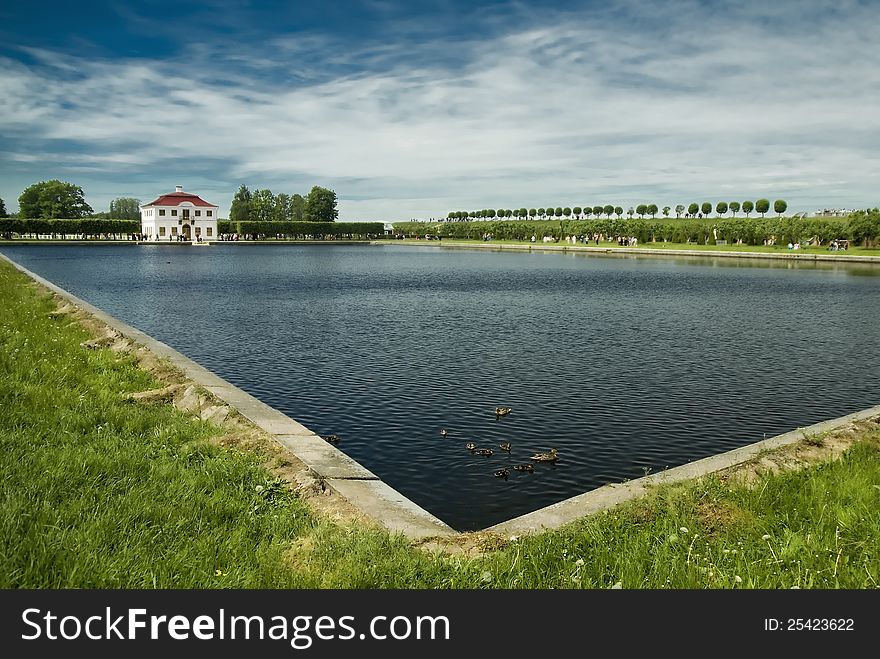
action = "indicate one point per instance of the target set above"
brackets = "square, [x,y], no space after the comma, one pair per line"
[502,411]
[333,439]
[443,432]
[502,473]
[504,446]
[525,467]
[545,457]
[470,446]
[484,451]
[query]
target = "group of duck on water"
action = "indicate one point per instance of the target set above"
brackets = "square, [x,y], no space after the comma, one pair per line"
[505,446]
[473,448]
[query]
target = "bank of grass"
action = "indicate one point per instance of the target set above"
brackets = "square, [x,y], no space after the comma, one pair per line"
[696,247]
[98,492]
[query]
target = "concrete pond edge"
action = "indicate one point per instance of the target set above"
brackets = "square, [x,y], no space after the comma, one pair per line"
[380,502]
[358,485]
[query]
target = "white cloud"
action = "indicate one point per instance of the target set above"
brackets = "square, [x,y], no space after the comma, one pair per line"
[584,111]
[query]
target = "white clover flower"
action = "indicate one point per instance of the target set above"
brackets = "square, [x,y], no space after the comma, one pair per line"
[684,529]
[738,578]
[766,536]
[579,562]
[259,488]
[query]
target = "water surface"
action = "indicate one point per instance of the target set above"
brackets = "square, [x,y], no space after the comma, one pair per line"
[626,365]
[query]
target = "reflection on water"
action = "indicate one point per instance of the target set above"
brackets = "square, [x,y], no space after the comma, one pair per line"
[624,364]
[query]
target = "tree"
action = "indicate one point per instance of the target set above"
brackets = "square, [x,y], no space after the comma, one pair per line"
[748,207]
[490,213]
[240,210]
[533,212]
[641,209]
[608,209]
[320,205]
[666,210]
[125,208]
[281,210]
[262,205]
[618,210]
[652,210]
[541,212]
[3,212]
[577,210]
[566,211]
[523,213]
[53,199]
[558,212]
[706,208]
[630,211]
[762,206]
[721,207]
[597,210]
[779,206]
[693,209]
[679,209]
[734,207]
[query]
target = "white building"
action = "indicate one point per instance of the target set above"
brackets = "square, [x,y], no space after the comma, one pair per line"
[178,216]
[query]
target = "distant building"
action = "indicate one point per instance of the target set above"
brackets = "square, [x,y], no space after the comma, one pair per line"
[177,216]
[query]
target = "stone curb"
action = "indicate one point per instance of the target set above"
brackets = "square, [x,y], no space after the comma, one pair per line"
[563,512]
[347,477]
[636,251]
[390,508]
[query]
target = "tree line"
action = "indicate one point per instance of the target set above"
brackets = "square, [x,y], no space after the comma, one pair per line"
[61,199]
[861,227]
[91,228]
[262,205]
[693,210]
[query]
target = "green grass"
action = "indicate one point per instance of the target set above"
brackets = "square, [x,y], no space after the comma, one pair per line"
[97,492]
[764,249]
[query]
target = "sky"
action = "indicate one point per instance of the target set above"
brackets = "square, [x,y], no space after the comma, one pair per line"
[414,109]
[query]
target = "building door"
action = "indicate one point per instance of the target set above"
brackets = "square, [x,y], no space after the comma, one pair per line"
[186,232]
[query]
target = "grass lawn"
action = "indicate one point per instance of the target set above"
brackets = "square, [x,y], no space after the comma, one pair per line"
[763,249]
[98,492]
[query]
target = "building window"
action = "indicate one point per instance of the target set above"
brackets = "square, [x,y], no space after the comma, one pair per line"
[210,213]
[161,231]
[198,231]
[210,233]
[173,231]
[161,212]
[174,212]
[198,213]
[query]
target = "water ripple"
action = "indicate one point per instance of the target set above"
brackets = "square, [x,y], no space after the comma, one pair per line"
[627,366]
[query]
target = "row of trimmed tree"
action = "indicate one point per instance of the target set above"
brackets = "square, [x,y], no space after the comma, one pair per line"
[694,210]
[861,227]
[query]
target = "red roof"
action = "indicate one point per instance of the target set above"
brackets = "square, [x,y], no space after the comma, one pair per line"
[177,198]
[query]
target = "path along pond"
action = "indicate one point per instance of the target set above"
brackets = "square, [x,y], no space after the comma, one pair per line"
[625,365]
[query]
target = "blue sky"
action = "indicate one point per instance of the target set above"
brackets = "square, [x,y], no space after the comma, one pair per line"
[413,109]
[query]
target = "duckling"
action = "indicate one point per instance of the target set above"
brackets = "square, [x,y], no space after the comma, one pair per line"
[502,411]
[545,457]
[470,446]
[525,467]
[484,451]
[333,439]
[502,473]
[443,432]
[504,446]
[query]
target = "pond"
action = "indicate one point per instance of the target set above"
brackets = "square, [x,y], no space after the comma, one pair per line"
[625,365]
